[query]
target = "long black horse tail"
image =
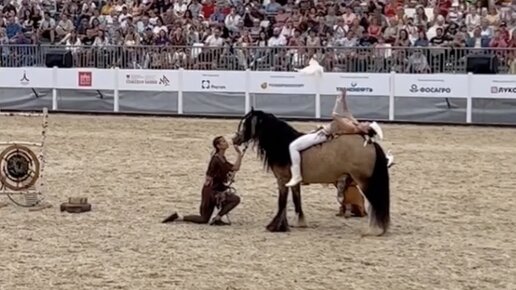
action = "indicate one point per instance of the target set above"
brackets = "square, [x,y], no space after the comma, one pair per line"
[378,191]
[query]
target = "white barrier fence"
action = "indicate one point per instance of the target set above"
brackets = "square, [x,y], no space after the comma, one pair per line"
[466,86]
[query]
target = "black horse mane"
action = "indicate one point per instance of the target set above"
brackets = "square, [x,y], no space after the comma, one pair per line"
[272,138]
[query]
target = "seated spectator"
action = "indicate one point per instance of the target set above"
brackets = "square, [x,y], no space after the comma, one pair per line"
[473,19]
[231,21]
[376,26]
[486,30]
[272,7]
[12,29]
[403,39]
[440,39]
[279,40]
[417,63]
[422,40]
[497,40]
[477,40]
[65,26]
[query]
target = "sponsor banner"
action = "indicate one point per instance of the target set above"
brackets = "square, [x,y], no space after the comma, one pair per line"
[85,78]
[357,84]
[213,81]
[281,83]
[26,77]
[427,85]
[147,80]
[493,86]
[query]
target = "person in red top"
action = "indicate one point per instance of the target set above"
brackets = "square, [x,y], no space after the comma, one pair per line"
[497,40]
[504,33]
[444,7]
[207,9]
[390,8]
[215,191]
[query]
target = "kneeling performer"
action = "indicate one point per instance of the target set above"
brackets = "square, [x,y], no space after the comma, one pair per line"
[215,191]
[343,123]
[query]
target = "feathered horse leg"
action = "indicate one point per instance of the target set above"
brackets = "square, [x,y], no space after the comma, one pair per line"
[296,198]
[280,223]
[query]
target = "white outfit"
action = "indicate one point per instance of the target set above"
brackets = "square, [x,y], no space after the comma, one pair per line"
[309,140]
[298,145]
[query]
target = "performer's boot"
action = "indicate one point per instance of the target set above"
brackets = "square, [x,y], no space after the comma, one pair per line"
[296,176]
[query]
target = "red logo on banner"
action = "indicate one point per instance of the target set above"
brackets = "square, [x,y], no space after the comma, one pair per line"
[84,79]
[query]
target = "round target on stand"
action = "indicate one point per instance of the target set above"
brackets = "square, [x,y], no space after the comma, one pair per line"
[19,168]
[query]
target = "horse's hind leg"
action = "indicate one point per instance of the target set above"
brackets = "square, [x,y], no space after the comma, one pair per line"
[296,198]
[280,222]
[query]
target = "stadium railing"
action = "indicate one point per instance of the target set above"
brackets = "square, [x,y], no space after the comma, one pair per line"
[235,57]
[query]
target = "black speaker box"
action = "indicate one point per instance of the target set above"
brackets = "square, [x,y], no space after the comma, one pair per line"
[482,64]
[59,58]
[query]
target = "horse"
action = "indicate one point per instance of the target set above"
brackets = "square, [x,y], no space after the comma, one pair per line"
[326,163]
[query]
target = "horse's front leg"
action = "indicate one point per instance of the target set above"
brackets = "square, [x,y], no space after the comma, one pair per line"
[296,198]
[280,222]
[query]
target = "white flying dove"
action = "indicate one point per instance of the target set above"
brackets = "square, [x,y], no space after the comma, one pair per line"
[313,68]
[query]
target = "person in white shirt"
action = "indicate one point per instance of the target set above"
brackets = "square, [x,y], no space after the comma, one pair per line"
[432,31]
[47,26]
[214,40]
[288,29]
[180,7]
[277,39]
[72,42]
[143,24]
[88,4]
[101,40]
[340,29]
[472,19]
[231,21]
[123,15]
[159,26]
[65,26]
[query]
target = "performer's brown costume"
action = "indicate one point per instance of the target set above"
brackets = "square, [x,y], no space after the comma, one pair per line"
[215,191]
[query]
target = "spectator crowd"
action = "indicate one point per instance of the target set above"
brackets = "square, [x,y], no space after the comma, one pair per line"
[345,35]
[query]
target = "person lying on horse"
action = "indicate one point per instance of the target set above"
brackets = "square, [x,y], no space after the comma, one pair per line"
[216,192]
[343,123]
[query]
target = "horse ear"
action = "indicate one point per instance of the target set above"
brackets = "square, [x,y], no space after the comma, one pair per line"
[252,108]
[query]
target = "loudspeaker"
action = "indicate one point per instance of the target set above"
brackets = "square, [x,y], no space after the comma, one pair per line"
[59,58]
[482,64]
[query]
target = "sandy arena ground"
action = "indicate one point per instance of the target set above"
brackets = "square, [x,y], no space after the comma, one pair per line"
[453,214]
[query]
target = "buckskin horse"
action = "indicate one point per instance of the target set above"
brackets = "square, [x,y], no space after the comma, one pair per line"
[326,163]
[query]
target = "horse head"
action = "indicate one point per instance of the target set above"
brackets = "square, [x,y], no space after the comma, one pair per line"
[248,127]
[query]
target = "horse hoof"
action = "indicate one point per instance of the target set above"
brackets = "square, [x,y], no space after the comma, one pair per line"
[281,228]
[366,233]
[277,230]
[302,225]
